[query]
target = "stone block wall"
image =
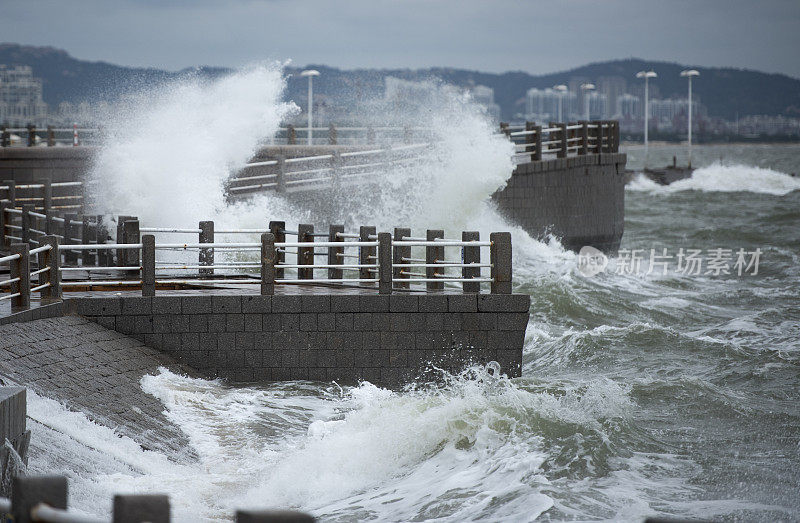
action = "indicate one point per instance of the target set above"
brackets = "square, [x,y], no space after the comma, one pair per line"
[13,428]
[34,164]
[580,199]
[386,340]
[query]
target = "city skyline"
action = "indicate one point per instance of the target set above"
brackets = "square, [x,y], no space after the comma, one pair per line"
[416,34]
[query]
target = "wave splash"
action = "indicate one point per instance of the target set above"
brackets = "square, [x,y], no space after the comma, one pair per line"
[169,151]
[465,450]
[724,178]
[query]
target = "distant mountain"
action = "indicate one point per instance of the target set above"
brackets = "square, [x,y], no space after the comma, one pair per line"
[727,92]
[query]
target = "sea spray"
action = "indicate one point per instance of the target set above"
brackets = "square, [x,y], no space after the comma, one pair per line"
[465,449]
[725,178]
[168,151]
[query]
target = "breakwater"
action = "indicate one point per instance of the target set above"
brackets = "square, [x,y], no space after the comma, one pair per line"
[389,308]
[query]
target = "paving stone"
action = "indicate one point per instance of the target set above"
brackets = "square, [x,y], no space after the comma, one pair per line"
[100,382]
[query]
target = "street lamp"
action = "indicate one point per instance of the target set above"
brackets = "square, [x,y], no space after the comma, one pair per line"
[560,89]
[647,75]
[689,73]
[586,88]
[310,73]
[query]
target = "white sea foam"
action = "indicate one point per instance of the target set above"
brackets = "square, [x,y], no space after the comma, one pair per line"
[464,452]
[169,150]
[724,178]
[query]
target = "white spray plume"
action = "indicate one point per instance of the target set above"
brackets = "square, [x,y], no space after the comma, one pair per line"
[169,151]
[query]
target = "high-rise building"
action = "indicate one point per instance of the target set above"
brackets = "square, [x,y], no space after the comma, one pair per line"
[578,110]
[541,105]
[665,114]
[612,87]
[21,97]
[629,107]
[598,106]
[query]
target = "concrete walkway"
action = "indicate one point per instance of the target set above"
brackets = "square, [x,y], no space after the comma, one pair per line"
[96,371]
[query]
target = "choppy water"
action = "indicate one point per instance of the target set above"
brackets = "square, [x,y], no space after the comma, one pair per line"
[641,394]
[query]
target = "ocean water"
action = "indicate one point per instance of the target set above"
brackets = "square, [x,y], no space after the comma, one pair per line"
[643,392]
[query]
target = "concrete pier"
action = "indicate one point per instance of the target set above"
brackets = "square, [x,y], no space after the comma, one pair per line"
[579,199]
[387,340]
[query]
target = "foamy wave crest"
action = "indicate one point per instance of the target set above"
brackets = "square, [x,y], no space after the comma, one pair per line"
[169,151]
[725,178]
[466,450]
[370,453]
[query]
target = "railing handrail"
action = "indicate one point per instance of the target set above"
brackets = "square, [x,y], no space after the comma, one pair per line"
[382,261]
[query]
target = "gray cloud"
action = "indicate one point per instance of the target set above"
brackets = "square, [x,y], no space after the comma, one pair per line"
[496,35]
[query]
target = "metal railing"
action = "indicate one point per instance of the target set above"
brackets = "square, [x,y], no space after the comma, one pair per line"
[286,174]
[535,142]
[381,261]
[582,137]
[44,499]
[27,225]
[31,136]
[531,143]
[50,136]
[44,196]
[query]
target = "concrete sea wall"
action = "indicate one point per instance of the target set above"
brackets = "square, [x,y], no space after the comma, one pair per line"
[386,340]
[579,199]
[35,164]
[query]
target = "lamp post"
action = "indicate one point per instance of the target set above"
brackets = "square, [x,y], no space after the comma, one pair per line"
[310,73]
[586,88]
[560,89]
[646,75]
[689,73]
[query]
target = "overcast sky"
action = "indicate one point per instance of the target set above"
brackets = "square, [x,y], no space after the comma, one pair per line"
[488,35]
